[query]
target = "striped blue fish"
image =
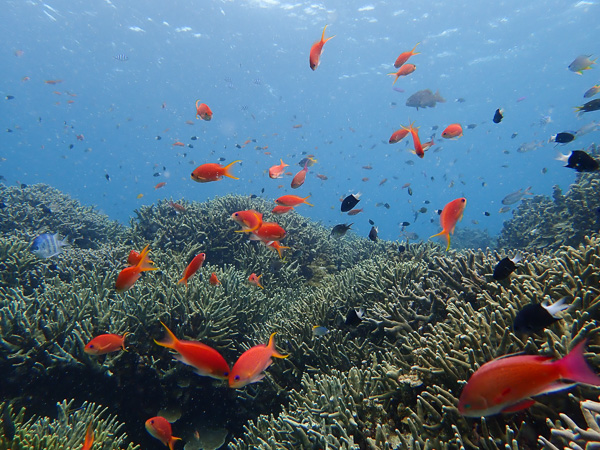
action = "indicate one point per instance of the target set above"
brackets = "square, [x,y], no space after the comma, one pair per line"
[47,245]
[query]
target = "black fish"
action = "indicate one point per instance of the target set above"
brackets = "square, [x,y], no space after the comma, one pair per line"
[158,138]
[107,176]
[472,126]
[562,138]
[350,202]
[386,205]
[514,135]
[156,174]
[535,316]
[371,222]
[373,233]
[340,230]
[410,191]
[354,317]
[404,224]
[498,116]
[580,161]
[9,97]
[505,267]
[592,105]
[486,214]
[401,249]
[193,138]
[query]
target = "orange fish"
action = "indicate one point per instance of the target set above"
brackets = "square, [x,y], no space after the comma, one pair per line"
[178,144]
[206,360]
[416,141]
[212,172]
[507,384]
[192,267]
[299,125]
[250,366]
[213,280]
[404,56]
[279,209]
[203,111]
[250,220]
[427,145]
[255,280]
[268,231]
[406,69]
[398,135]
[176,206]
[299,178]
[354,212]
[317,49]
[451,214]
[160,428]
[53,81]
[159,185]
[134,258]
[322,177]
[453,131]
[105,343]
[128,276]
[89,438]
[276,171]
[277,247]
[292,200]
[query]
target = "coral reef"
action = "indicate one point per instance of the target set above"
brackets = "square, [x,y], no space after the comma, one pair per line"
[431,319]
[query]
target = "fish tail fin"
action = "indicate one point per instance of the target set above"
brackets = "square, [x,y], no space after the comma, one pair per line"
[228,166]
[183,281]
[561,157]
[414,48]
[309,204]
[144,263]
[557,306]
[574,367]
[170,340]
[284,164]
[280,250]
[443,233]
[124,336]
[323,40]
[271,346]
[172,441]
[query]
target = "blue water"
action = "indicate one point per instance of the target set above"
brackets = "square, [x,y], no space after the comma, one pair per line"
[248,60]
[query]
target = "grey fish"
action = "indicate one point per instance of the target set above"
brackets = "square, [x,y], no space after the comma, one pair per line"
[516,196]
[47,245]
[581,63]
[340,230]
[529,146]
[425,99]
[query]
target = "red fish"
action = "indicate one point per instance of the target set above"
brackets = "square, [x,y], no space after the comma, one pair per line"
[269,231]
[89,438]
[203,111]
[453,131]
[255,280]
[276,171]
[105,343]
[280,209]
[159,185]
[192,267]
[250,220]
[212,172]
[277,247]
[292,200]
[406,69]
[427,145]
[250,366]
[160,428]
[176,206]
[451,214]
[507,384]
[317,49]
[404,56]
[416,141]
[213,280]
[398,135]
[178,144]
[128,276]
[299,178]
[354,212]
[53,81]
[206,360]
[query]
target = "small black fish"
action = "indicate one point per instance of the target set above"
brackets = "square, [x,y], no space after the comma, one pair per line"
[423,210]
[156,174]
[221,159]
[562,138]
[350,202]
[262,191]
[190,146]
[253,196]
[238,146]
[401,249]
[405,224]
[158,138]
[580,161]
[371,222]
[535,316]
[438,212]
[107,176]
[514,135]
[410,191]
[193,138]
[23,186]
[460,100]
[435,127]
[498,116]
[386,205]
[373,233]
[485,213]
[427,202]
[505,267]
[471,126]
[354,317]
[8,130]
[340,230]
[9,97]
[71,146]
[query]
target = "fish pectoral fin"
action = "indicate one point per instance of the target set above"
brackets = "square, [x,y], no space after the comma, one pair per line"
[523,404]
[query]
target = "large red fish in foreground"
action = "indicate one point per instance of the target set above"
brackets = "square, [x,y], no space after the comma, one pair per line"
[250,366]
[317,49]
[206,173]
[507,384]
[451,214]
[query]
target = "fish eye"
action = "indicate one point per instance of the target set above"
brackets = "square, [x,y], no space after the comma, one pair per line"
[236,378]
[468,406]
[91,346]
[226,374]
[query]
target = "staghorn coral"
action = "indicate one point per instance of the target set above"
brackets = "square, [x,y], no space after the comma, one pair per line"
[572,435]
[65,432]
